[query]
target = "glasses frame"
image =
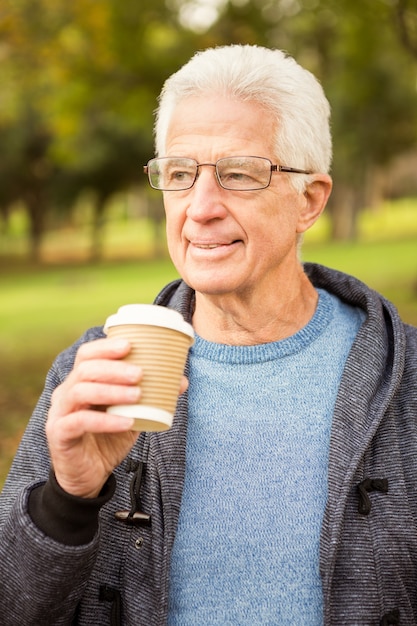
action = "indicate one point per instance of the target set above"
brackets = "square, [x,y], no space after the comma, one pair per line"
[273,168]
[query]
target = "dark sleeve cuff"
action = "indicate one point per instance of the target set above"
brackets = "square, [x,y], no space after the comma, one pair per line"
[71,520]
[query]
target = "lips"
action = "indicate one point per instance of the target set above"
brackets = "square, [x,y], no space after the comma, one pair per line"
[210,245]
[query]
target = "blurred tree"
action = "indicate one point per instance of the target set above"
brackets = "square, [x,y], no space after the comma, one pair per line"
[407,24]
[352,46]
[26,175]
[89,72]
[83,77]
[371,86]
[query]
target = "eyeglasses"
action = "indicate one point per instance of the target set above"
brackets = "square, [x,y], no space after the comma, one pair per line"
[240,173]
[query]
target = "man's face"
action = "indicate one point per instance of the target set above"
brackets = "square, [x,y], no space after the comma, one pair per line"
[223,241]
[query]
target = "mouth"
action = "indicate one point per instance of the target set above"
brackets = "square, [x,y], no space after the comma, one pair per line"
[212,246]
[213,251]
[208,246]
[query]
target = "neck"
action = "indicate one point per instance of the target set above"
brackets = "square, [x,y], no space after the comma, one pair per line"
[249,319]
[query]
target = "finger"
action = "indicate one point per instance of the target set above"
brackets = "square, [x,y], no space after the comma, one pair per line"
[86,446]
[76,425]
[73,393]
[68,399]
[105,348]
[106,371]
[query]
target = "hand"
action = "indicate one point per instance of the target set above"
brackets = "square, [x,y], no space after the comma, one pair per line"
[86,443]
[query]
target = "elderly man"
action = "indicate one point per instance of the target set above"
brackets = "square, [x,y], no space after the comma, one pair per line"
[285,491]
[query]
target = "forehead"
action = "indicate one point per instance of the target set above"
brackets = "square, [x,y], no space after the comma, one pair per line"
[225,126]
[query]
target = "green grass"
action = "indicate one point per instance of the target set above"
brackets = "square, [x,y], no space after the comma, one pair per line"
[54,304]
[45,308]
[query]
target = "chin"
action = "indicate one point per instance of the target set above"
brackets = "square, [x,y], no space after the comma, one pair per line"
[210,286]
[218,288]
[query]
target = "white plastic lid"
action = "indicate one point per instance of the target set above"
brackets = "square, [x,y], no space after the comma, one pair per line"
[150,315]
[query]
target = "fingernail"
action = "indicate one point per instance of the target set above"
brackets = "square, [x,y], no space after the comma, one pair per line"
[127,423]
[120,344]
[133,373]
[133,393]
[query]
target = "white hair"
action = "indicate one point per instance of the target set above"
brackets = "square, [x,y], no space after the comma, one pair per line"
[269,77]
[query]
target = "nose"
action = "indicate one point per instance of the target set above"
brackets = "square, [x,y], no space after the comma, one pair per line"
[207,197]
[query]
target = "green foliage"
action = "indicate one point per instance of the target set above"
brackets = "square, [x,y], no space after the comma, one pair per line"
[85,76]
[354,47]
[80,81]
[356,50]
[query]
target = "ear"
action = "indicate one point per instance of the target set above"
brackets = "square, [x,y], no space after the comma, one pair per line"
[315,199]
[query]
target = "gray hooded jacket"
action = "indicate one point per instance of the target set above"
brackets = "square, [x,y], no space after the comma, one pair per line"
[69,568]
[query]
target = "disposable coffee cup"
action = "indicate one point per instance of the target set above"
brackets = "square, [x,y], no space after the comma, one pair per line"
[160,340]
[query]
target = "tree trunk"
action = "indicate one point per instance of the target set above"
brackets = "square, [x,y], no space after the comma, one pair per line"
[35,204]
[343,214]
[157,215]
[96,250]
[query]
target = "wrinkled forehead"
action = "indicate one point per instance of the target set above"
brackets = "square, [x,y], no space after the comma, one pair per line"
[224,126]
[208,111]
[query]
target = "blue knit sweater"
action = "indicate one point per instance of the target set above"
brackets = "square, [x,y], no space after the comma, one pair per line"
[247,546]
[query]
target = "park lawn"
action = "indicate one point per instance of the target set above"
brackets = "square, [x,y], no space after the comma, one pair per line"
[46,308]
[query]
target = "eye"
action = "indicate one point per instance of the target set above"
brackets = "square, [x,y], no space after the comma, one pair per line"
[241,174]
[236,175]
[178,174]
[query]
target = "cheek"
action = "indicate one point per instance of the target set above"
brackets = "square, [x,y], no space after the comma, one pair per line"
[176,210]
[275,237]
[173,220]
[173,227]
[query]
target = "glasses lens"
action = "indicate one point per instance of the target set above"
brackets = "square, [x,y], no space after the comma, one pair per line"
[244,173]
[169,174]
